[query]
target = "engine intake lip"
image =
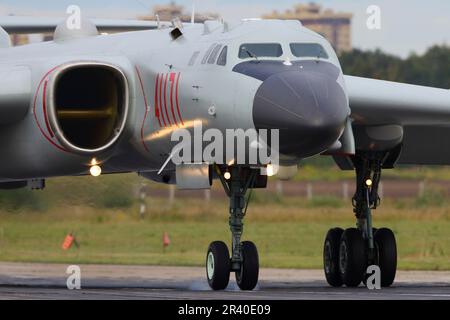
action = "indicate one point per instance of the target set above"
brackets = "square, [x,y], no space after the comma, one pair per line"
[55,122]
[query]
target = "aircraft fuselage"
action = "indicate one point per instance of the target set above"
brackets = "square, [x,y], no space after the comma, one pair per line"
[293,82]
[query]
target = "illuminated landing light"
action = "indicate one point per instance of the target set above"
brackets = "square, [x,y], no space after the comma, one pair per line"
[95,171]
[227,175]
[368,182]
[270,170]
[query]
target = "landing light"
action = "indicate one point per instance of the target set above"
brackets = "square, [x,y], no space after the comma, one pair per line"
[95,171]
[227,175]
[270,170]
[368,182]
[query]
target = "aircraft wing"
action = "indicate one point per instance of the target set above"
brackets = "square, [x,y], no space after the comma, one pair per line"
[18,25]
[423,112]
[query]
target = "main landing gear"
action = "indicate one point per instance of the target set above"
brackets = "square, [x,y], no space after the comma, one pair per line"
[348,253]
[244,260]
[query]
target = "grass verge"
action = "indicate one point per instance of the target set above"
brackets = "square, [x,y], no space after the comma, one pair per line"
[289,233]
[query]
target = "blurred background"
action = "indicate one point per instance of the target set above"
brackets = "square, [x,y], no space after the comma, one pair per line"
[122,219]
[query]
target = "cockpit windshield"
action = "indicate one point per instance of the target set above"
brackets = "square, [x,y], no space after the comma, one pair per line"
[260,50]
[308,50]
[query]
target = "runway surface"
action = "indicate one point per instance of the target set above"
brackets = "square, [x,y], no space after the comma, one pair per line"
[48,281]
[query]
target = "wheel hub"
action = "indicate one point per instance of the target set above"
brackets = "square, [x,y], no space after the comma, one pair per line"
[210,265]
[343,257]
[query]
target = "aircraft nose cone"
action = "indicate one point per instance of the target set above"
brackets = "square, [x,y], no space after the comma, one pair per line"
[309,108]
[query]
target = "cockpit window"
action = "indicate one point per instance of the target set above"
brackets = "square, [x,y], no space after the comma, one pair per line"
[303,50]
[208,52]
[194,58]
[222,60]
[258,50]
[212,58]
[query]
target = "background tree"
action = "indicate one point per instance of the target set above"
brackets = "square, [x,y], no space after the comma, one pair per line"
[430,69]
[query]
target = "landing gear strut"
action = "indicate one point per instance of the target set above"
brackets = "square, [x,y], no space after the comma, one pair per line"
[348,253]
[244,260]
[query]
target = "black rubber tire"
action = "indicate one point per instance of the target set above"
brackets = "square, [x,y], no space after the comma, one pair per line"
[387,255]
[219,278]
[331,257]
[352,257]
[247,277]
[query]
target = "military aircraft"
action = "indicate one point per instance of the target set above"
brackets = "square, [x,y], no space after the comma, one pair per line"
[90,102]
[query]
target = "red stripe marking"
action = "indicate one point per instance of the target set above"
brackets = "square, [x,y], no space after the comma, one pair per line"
[165,98]
[176,98]
[172,82]
[157,114]
[160,99]
[44,98]
[146,108]
[35,115]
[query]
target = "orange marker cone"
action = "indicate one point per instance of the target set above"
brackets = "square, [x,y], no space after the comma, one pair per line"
[166,240]
[68,241]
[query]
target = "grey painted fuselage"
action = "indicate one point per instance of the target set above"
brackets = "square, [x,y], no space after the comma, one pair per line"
[169,87]
[168,82]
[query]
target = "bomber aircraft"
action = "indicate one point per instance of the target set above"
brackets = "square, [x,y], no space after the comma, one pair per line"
[90,102]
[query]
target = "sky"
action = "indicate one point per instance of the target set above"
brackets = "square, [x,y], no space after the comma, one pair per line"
[406,25]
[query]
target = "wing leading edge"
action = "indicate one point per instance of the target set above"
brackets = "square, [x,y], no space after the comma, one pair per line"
[422,112]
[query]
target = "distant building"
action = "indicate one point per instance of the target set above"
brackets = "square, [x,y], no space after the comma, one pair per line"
[335,27]
[173,11]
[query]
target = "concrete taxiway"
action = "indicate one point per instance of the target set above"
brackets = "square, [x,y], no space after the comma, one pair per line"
[48,281]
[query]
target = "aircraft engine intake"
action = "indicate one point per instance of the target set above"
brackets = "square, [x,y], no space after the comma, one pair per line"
[89,106]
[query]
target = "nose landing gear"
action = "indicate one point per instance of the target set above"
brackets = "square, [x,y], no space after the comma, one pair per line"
[347,254]
[244,260]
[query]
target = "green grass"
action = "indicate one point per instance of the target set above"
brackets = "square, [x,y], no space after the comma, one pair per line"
[289,232]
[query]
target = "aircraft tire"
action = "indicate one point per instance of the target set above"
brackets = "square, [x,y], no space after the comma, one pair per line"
[247,277]
[352,257]
[387,255]
[218,265]
[331,257]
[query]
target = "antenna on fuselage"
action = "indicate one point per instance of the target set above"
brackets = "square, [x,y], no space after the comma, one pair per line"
[158,21]
[147,7]
[193,13]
